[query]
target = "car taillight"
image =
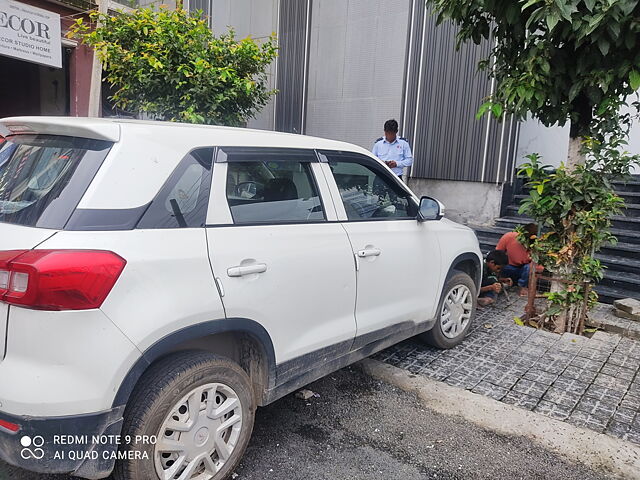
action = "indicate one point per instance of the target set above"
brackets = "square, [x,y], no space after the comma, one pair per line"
[5,257]
[58,279]
[10,427]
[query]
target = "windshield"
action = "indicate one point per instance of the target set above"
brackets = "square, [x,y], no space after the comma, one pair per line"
[43,177]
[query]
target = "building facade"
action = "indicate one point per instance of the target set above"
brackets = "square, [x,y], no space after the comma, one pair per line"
[346,66]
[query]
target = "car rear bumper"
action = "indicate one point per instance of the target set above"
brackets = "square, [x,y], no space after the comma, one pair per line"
[82,445]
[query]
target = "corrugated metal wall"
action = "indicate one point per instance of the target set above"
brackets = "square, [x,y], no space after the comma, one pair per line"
[291,76]
[204,5]
[442,94]
[356,68]
[441,87]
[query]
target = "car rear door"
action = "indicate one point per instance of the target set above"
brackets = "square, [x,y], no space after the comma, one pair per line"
[279,255]
[398,257]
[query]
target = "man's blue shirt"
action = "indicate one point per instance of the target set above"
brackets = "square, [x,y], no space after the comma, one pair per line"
[398,151]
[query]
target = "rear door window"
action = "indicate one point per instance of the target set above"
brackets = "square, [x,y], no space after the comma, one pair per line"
[43,177]
[272,186]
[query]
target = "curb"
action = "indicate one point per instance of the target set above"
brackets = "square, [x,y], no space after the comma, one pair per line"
[595,450]
[603,317]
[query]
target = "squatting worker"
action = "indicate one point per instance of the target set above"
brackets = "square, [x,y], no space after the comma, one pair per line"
[492,280]
[519,259]
[393,150]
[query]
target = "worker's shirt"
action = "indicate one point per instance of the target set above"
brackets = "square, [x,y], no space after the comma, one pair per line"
[399,151]
[516,252]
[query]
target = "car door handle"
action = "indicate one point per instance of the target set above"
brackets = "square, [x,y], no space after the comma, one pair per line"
[240,271]
[369,252]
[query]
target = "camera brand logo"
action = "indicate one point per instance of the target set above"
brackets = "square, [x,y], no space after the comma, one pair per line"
[32,447]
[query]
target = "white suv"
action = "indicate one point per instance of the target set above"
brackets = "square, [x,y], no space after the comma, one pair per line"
[160,281]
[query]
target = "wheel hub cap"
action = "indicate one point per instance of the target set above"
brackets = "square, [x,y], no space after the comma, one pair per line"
[199,434]
[456,311]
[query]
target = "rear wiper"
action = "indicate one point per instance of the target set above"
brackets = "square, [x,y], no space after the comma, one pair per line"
[177,213]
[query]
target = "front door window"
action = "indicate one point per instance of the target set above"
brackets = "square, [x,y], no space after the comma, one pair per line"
[368,192]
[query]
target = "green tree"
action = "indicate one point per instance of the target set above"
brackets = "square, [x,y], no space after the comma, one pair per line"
[559,60]
[562,61]
[169,65]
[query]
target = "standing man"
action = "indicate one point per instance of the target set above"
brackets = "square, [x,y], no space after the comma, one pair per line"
[393,150]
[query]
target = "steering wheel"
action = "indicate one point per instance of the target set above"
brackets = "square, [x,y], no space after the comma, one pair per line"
[384,211]
[247,189]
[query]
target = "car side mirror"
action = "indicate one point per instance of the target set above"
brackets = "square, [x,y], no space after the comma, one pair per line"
[430,209]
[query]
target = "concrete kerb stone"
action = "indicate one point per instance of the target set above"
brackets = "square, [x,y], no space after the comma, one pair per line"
[596,450]
[614,320]
[624,314]
[628,305]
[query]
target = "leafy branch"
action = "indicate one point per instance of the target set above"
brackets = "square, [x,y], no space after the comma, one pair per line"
[169,65]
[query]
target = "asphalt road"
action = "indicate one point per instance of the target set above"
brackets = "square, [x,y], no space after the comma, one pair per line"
[361,429]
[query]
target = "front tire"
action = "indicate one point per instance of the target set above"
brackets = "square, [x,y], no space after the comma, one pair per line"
[456,311]
[200,409]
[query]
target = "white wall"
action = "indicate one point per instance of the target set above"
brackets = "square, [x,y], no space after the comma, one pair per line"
[470,203]
[552,143]
[634,141]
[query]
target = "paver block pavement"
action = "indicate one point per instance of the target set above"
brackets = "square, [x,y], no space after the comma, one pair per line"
[589,382]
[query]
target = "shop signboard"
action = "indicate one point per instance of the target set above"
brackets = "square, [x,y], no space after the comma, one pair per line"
[29,33]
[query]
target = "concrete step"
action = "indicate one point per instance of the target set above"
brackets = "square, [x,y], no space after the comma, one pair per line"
[632,185]
[619,264]
[505,225]
[625,250]
[622,280]
[626,223]
[608,295]
[630,198]
[620,222]
[615,284]
[631,210]
[613,262]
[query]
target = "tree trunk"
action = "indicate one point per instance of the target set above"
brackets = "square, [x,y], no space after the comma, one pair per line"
[575,156]
[561,318]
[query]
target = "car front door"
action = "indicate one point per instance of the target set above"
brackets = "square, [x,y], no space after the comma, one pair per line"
[279,255]
[398,258]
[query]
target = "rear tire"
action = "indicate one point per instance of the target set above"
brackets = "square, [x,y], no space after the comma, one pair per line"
[455,314]
[201,409]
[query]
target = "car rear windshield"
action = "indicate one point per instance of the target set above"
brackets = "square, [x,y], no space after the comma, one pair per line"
[43,177]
